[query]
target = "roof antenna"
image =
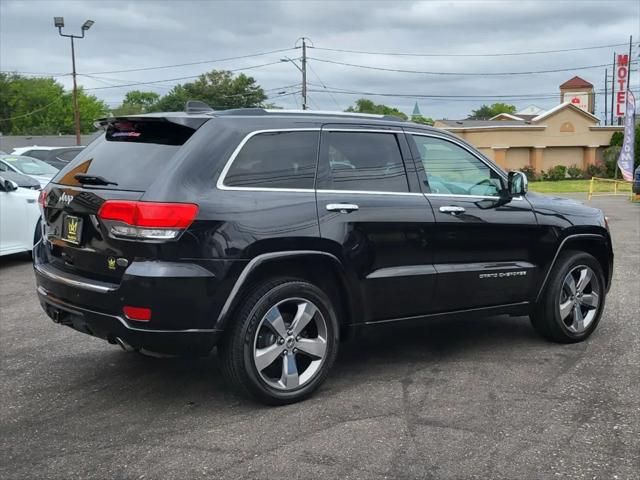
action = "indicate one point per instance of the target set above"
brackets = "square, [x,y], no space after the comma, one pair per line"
[196,106]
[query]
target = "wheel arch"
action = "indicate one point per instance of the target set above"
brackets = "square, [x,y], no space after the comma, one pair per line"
[594,244]
[323,269]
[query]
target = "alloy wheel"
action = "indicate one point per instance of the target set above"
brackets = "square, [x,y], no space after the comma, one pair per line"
[579,299]
[290,344]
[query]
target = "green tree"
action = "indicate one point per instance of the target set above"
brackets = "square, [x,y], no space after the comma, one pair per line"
[423,120]
[40,106]
[136,102]
[364,105]
[485,112]
[219,89]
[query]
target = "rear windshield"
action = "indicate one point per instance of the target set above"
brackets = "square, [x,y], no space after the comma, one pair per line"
[131,154]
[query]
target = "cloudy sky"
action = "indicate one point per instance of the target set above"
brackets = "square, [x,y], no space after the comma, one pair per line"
[452,37]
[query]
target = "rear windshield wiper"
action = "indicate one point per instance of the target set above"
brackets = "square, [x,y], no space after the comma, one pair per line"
[87,179]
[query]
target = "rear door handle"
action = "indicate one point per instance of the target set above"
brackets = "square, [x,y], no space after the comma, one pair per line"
[342,207]
[453,210]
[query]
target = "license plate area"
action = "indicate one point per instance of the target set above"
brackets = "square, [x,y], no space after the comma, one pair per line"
[72,229]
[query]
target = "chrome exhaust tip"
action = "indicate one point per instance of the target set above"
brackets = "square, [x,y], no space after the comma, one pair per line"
[124,345]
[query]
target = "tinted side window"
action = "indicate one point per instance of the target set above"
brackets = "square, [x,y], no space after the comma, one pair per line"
[39,154]
[67,155]
[363,161]
[452,169]
[276,160]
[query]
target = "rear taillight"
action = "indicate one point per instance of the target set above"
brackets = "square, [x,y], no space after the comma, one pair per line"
[147,220]
[140,314]
[42,200]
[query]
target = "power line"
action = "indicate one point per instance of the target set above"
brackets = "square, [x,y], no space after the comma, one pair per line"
[474,74]
[194,63]
[509,54]
[445,97]
[153,82]
[324,86]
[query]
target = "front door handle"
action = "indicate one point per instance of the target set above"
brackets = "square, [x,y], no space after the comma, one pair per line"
[453,210]
[342,207]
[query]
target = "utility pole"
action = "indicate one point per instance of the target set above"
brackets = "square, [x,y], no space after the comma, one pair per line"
[58,22]
[304,73]
[303,70]
[630,64]
[606,99]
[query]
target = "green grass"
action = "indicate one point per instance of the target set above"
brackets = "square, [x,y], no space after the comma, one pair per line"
[565,186]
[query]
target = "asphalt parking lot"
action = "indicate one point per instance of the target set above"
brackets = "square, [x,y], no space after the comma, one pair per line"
[453,399]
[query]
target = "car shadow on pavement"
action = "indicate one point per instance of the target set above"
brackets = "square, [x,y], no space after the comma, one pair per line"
[16,259]
[196,381]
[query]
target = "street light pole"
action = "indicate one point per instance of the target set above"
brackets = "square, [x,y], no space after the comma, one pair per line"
[76,111]
[59,23]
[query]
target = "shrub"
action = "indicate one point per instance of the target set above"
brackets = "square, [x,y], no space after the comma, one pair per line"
[529,172]
[575,171]
[611,160]
[597,170]
[616,139]
[559,172]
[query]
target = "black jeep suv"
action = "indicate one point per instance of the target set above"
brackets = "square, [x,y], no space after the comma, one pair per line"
[276,234]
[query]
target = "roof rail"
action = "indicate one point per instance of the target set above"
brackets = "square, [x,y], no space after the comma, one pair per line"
[332,113]
[196,106]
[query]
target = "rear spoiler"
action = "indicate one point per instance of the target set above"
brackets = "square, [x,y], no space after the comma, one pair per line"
[178,118]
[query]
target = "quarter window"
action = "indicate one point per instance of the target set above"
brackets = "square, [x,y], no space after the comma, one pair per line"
[452,170]
[363,161]
[276,160]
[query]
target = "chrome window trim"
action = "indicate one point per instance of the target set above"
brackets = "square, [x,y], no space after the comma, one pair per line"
[460,195]
[363,130]
[370,192]
[221,186]
[220,183]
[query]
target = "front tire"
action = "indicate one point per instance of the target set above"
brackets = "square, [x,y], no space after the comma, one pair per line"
[282,343]
[571,305]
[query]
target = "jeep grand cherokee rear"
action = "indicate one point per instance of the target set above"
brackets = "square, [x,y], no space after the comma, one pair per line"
[272,235]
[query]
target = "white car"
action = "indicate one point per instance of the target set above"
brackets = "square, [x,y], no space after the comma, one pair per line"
[19,218]
[32,167]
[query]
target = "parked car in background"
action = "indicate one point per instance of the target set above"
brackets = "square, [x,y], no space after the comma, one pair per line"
[21,180]
[41,171]
[19,217]
[55,156]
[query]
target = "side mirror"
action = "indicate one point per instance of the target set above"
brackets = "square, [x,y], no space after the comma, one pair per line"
[8,185]
[517,184]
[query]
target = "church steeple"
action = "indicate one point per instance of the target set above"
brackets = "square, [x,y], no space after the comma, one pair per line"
[416,111]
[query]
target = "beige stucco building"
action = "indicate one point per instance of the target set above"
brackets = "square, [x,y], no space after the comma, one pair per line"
[565,135]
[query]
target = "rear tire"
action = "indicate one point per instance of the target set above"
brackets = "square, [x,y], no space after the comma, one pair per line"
[282,342]
[571,305]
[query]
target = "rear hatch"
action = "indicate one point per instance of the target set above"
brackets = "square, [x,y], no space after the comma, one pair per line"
[117,168]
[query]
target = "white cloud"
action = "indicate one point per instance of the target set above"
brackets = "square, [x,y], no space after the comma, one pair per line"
[148,33]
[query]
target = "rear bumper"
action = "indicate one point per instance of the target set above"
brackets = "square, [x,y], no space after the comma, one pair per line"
[185,299]
[114,329]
